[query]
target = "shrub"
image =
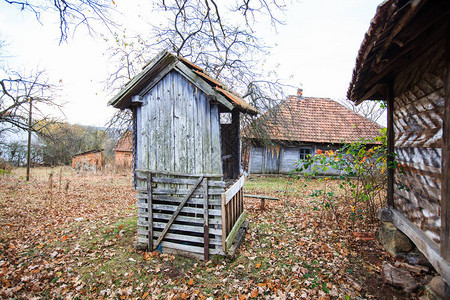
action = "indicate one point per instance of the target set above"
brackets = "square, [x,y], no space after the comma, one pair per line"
[362,169]
[5,167]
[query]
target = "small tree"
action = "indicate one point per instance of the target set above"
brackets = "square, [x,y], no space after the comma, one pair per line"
[362,168]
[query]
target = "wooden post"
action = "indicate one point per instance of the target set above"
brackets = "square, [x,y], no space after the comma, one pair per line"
[224,222]
[205,221]
[150,211]
[135,166]
[390,146]
[236,143]
[29,143]
[445,190]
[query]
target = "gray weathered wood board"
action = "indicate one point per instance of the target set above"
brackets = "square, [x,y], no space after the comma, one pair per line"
[178,129]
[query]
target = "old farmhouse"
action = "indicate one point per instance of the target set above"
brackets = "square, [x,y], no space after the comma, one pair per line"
[123,151]
[88,161]
[187,149]
[297,127]
[405,60]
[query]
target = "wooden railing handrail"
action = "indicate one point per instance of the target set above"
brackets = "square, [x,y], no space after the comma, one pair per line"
[178,173]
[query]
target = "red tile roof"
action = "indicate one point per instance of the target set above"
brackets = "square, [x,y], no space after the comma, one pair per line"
[315,120]
[125,143]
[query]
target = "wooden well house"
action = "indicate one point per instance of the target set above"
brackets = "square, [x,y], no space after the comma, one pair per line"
[186,144]
[405,60]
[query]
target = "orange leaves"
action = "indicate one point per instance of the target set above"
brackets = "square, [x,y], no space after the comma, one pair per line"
[65,238]
[191,281]
[258,265]
[254,293]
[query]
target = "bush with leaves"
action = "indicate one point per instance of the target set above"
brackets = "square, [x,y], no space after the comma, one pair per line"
[362,167]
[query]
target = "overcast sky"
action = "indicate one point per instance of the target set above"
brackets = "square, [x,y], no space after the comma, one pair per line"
[317,47]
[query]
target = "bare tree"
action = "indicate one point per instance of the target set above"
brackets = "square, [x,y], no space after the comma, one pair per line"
[72,13]
[218,36]
[372,110]
[17,91]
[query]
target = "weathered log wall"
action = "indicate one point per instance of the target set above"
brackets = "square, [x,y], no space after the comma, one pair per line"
[418,114]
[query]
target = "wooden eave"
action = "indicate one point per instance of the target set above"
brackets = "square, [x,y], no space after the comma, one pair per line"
[399,32]
[160,66]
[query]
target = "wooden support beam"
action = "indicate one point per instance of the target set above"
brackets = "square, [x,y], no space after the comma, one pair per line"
[390,146]
[150,211]
[423,243]
[236,143]
[445,190]
[263,199]
[234,230]
[205,221]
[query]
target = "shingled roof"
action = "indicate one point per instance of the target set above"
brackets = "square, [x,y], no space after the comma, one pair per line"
[125,143]
[395,36]
[318,120]
[165,62]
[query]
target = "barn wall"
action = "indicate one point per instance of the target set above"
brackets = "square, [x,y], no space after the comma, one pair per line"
[87,161]
[418,114]
[178,129]
[123,158]
[278,159]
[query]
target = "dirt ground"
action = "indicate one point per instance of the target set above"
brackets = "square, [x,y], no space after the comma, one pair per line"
[70,235]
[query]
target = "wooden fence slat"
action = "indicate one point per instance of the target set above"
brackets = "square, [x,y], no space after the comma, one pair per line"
[205,221]
[156,173]
[234,189]
[194,210]
[234,230]
[186,228]
[211,183]
[224,223]
[178,210]
[184,238]
[150,211]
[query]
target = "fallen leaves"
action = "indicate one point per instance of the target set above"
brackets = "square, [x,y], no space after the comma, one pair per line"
[79,244]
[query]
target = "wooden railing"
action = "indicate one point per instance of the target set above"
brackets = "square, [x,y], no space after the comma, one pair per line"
[188,214]
[233,214]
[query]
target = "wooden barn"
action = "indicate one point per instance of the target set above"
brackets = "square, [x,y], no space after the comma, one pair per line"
[404,59]
[123,151]
[88,161]
[298,127]
[187,157]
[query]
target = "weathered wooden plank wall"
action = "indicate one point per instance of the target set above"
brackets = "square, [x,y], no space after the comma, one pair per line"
[186,235]
[418,114]
[178,129]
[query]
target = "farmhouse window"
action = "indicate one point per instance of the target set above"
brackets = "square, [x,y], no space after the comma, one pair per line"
[304,152]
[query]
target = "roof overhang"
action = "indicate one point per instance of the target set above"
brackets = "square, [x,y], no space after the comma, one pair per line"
[399,32]
[160,66]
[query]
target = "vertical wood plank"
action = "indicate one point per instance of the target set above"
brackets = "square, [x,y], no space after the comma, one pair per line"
[135,157]
[236,143]
[205,220]
[150,211]
[216,155]
[445,190]
[207,148]
[390,146]
[224,223]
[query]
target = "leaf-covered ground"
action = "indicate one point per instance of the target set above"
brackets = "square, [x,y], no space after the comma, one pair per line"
[68,235]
